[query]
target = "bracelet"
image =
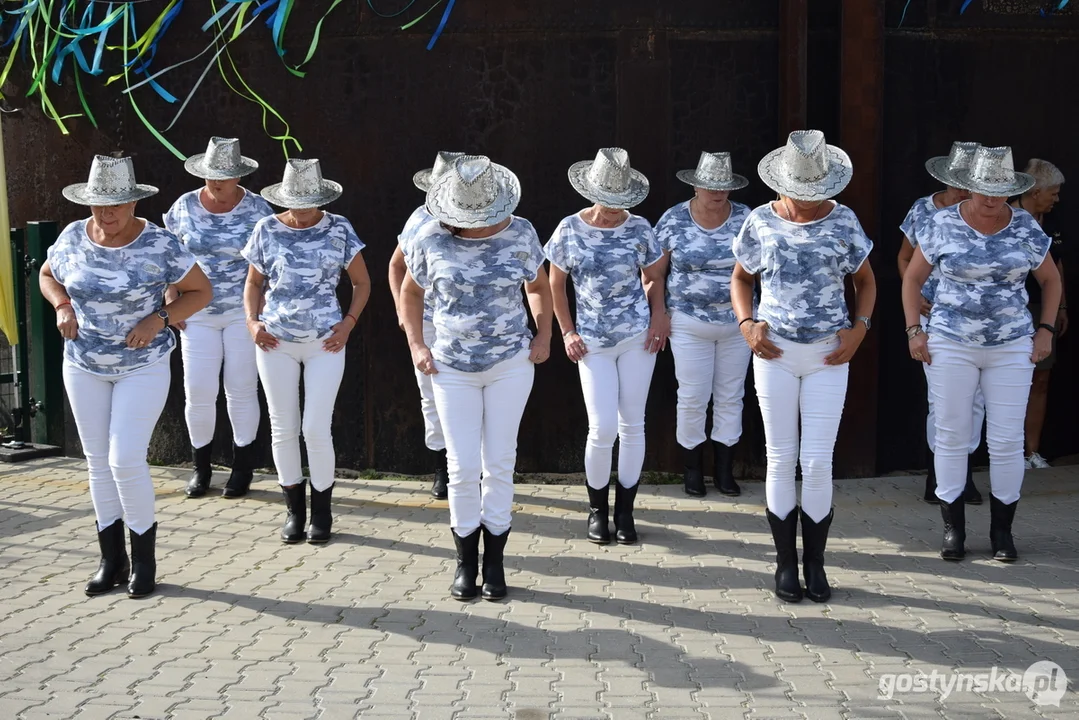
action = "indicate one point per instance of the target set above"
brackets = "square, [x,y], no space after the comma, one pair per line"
[1063,307]
[914,331]
[748,319]
[1047,326]
[568,333]
[65,302]
[355,320]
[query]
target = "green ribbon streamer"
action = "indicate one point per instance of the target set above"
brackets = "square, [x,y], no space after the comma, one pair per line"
[421,17]
[134,105]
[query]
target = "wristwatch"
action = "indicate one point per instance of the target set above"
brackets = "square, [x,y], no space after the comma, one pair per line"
[865,320]
[164,315]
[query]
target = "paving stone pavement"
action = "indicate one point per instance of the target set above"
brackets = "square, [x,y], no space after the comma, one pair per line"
[681,626]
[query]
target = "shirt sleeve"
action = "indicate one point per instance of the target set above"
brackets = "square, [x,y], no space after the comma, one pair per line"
[652,253]
[558,250]
[665,231]
[353,244]
[416,262]
[932,242]
[172,218]
[1041,246]
[907,226]
[254,251]
[747,247]
[858,246]
[535,257]
[54,256]
[179,260]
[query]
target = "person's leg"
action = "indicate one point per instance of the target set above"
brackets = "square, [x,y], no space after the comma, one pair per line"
[322,373]
[202,350]
[1037,404]
[242,400]
[279,371]
[635,366]
[728,393]
[432,428]
[599,385]
[694,364]
[930,494]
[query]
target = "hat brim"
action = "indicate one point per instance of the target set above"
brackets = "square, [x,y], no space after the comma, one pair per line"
[422,179]
[80,194]
[689,177]
[195,166]
[275,196]
[633,196]
[1020,185]
[840,171]
[938,168]
[443,210]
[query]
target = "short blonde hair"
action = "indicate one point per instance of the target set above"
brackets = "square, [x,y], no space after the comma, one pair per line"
[1046,174]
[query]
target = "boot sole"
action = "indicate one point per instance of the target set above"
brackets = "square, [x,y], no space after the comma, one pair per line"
[196,494]
[952,558]
[232,493]
[463,598]
[596,541]
[317,541]
[788,598]
[627,542]
[934,501]
[101,592]
[1005,559]
[139,596]
[494,598]
[440,497]
[695,493]
[293,541]
[819,598]
[730,493]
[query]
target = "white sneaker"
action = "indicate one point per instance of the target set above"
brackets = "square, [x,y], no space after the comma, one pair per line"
[1036,462]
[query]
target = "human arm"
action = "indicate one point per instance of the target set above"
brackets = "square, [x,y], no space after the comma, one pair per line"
[361,293]
[253,299]
[53,291]
[913,280]
[1062,314]
[397,276]
[195,293]
[1048,277]
[575,347]
[541,303]
[754,332]
[906,252]
[654,278]
[412,317]
[865,299]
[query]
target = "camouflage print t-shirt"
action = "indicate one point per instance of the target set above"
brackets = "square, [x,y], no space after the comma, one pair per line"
[981,298]
[216,239]
[475,285]
[112,289]
[605,266]
[914,226]
[802,268]
[415,221]
[302,269]
[699,283]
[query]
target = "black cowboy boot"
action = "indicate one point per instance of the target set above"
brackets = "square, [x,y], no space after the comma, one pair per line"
[625,532]
[955,529]
[724,477]
[114,567]
[243,469]
[321,517]
[1000,530]
[785,537]
[814,539]
[693,475]
[930,495]
[143,563]
[971,496]
[200,479]
[468,561]
[494,571]
[440,486]
[599,510]
[296,506]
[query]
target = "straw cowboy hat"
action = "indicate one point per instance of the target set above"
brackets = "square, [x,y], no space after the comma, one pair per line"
[609,180]
[806,168]
[221,161]
[443,164]
[992,172]
[302,187]
[944,167]
[713,172]
[111,182]
[474,193]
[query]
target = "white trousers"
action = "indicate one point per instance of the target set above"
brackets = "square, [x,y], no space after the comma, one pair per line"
[977,419]
[798,388]
[432,428]
[116,417]
[615,382]
[210,341]
[481,414]
[279,370]
[710,361]
[1003,372]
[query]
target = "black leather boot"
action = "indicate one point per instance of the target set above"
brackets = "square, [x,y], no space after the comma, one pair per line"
[814,539]
[200,478]
[693,475]
[296,506]
[114,567]
[243,469]
[321,517]
[599,511]
[494,571]
[625,531]
[1000,530]
[724,477]
[440,487]
[971,496]
[785,537]
[143,563]
[468,561]
[930,495]
[955,529]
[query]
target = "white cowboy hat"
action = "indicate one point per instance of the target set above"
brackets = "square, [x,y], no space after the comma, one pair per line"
[221,161]
[992,172]
[302,187]
[443,164]
[111,182]
[713,173]
[474,193]
[609,180]
[944,167]
[806,168]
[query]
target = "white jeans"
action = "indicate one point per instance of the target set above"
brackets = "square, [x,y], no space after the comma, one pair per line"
[615,382]
[210,341]
[709,361]
[977,418]
[279,370]
[432,428]
[1004,373]
[116,417]
[799,388]
[481,414]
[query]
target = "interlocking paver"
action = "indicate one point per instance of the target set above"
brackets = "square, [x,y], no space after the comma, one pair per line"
[683,625]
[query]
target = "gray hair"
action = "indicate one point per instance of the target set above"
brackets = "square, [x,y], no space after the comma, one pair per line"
[1046,174]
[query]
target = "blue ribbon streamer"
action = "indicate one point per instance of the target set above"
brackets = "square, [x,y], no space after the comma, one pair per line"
[445,18]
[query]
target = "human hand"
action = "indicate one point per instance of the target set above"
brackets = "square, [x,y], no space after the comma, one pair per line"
[756,335]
